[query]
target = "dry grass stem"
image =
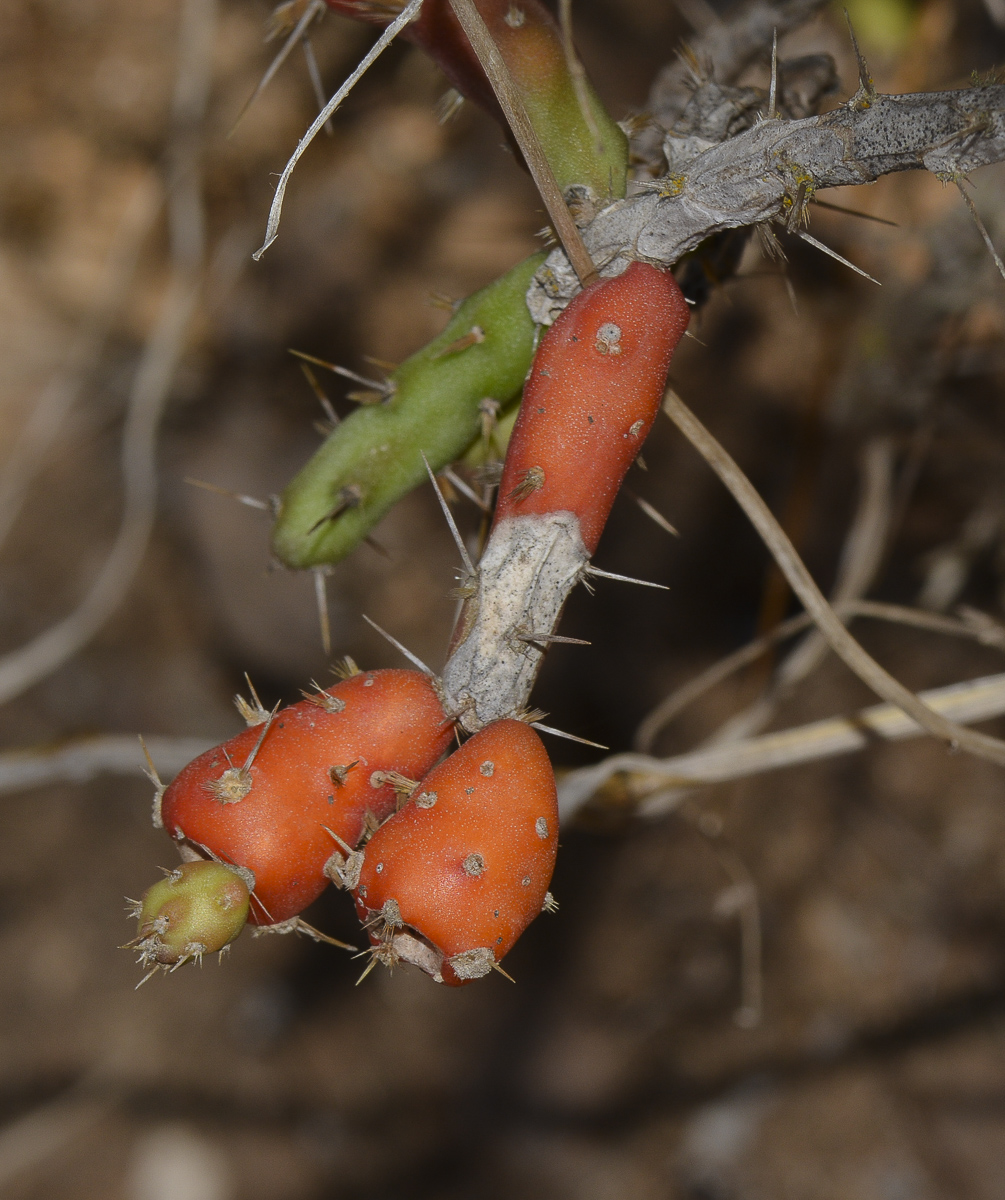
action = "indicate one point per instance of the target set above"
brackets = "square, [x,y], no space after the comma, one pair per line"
[523,131]
[661,783]
[376,50]
[813,600]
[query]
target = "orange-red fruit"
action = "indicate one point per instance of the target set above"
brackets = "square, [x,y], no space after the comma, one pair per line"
[592,396]
[468,860]
[272,817]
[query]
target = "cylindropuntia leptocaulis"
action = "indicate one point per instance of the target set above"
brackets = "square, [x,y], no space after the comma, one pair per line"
[431,404]
[259,800]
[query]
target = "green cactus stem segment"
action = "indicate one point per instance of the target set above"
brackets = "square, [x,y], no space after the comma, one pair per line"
[375,455]
[530,42]
[197,909]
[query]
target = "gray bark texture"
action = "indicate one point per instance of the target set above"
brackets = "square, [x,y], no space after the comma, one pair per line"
[771,171]
[722,52]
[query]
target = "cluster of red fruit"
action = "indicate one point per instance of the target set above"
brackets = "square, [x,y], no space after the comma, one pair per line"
[447,863]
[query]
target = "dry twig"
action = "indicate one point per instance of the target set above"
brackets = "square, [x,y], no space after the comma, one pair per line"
[661,783]
[801,582]
[513,108]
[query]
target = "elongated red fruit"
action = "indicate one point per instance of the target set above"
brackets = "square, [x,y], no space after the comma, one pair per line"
[592,396]
[451,881]
[320,766]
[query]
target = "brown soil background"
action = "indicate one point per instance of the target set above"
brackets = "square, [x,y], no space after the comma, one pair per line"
[615,1067]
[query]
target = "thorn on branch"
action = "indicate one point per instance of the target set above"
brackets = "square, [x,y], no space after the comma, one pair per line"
[412,658]
[866,88]
[812,241]
[981,227]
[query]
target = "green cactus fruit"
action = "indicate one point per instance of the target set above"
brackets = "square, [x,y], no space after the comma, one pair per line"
[374,456]
[196,909]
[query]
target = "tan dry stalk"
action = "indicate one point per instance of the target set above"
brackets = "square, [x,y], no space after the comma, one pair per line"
[662,783]
[802,583]
[512,105]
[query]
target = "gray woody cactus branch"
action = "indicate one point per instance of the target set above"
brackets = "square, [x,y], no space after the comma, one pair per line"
[771,172]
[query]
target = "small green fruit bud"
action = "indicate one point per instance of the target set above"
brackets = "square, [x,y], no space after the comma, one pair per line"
[198,908]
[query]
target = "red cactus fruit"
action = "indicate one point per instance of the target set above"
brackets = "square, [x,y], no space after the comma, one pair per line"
[591,398]
[271,798]
[197,909]
[451,881]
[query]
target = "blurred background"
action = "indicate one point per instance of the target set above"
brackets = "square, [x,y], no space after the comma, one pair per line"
[793,986]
